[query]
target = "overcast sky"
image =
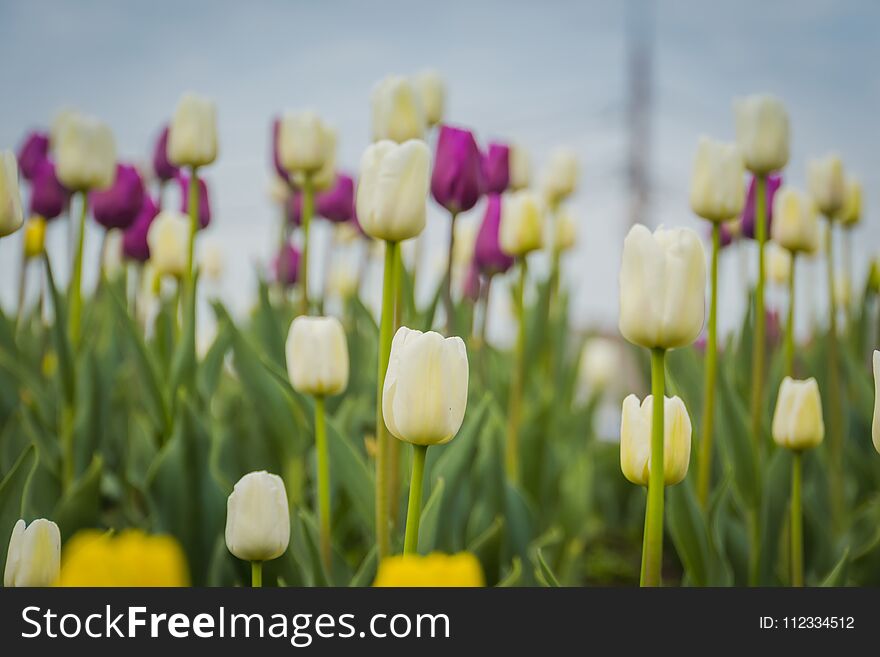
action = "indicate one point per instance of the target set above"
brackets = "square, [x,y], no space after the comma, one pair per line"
[539,73]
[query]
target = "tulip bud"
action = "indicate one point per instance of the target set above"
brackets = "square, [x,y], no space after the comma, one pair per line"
[168,241]
[11,216]
[34,237]
[875,427]
[118,205]
[397,111]
[392,190]
[560,178]
[778,263]
[425,391]
[33,152]
[599,363]
[192,133]
[317,356]
[827,184]
[258,518]
[635,439]
[496,168]
[564,232]
[162,166]
[85,154]
[432,93]
[772,185]
[34,554]
[337,203]
[279,190]
[285,266]
[522,223]
[134,242]
[462,569]
[842,290]
[762,133]
[305,142]
[111,254]
[49,198]
[874,275]
[796,226]
[851,212]
[457,177]
[465,241]
[344,281]
[212,262]
[204,199]
[488,255]
[797,420]
[717,192]
[520,168]
[662,287]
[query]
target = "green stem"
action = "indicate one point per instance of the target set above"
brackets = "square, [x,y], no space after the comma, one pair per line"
[516,384]
[754,527]
[308,200]
[193,205]
[414,508]
[704,474]
[789,326]
[68,467]
[283,236]
[447,282]
[836,428]
[652,551]
[323,493]
[797,528]
[75,291]
[256,574]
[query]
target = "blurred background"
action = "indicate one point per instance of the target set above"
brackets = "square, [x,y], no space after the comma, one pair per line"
[629,85]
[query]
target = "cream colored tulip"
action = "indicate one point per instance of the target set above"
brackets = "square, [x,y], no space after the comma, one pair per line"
[797,420]
[635,439]
[564,232]
[561,176]
[875,427]
[325,177]
[851,212]
[11,215]
[465,241]
[344,281]
[662,287]
[827,184]
[317,356]
[85,154]
[717,191]
[432,95]
[278,190]
[520,168]
[778,261]
[192,133]
[258,518]
[111,254]
[600,363]
[213,261]
[305,143]
[424,395]
[762,133]
[522,223]
[795,223]
[168,239]
[842,290]
[34,554]
[392,192]
[397,111]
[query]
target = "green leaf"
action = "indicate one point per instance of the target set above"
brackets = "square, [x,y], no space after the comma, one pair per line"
[736,441]
[545,573]
[366,572]
[80,507]
[837,576]
[431,519]
[513,576]
[689,532]
[11,497]
[349,469]
[60,337]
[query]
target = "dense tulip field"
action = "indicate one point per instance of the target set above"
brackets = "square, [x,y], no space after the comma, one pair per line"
[396,445]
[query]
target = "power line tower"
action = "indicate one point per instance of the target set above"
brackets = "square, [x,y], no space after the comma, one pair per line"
[640,21]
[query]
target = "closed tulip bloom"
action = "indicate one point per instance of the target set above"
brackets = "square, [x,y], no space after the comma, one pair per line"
[434,570]
[717,192]
[278,190]
[34,237]
[425,391]
[317,356]
[797,420]
[204,199]
[842,290]
[778,263]
[457,177]
[600,363]
[496,168]
[796,226]
[337,203]
[560,178]
[662,287]
[774,182]
[212,262]
[168,240]
[522,223]
[258,518]
[305,142]
[762,133]
[851,212]
[564,232]
[397,112]
[520,168]
[34,554]
[134,241]
[192,133]
[392,190]
[11,215]
[162,166]
[285,266]
[324,178]
[432,95]
[49,197]
[635,439]
[33,152]
[827,184]
[85,154]
[488,255]
[875,427]
[118,205]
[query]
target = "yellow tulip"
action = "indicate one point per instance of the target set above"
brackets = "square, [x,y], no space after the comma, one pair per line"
[34,237]
[436,569]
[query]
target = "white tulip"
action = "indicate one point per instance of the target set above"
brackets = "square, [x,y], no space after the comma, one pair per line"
[778,263]
[851,211]
[875,427]
[842,290]
[561,176]
[424,395]
[397,111]
[317,355]
[520,168]
[258,518]
[305,143]
[11,215]
[85,154]
[432,95]
[662,287]
[600,363]
[795,224]
[797,420]
[717,192]
[111,255]
[34,554]
[827,184]
[522,223]
[392,192]
[762,133]
[168,239]
[278,190]
[564,232]
[192,133]
[636,424]
[212,262]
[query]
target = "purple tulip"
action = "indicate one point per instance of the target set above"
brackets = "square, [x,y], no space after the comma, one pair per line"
[285,267]
[48,196]
[337,203]
[134,240]
[276,158]
[457,180]
[118,206]
[162,167]
[294,207]
[472,284]
[774,182]
[204,199]
[488,256]
[496,168]
[34,151]
[728,233]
